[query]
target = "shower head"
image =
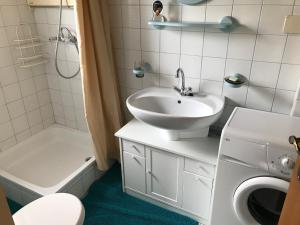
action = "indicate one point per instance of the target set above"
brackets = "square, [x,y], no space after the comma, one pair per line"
[66,35]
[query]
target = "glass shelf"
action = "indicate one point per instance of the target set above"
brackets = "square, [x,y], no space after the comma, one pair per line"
[226,24]
[191,2]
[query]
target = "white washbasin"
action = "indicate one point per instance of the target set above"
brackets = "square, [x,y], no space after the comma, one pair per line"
[167,109]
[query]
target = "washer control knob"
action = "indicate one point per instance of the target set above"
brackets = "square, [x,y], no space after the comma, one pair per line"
[287,162]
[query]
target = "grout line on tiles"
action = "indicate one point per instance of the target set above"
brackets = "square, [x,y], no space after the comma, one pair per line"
[202,50]
[227,47]
[281,63]
[254,49]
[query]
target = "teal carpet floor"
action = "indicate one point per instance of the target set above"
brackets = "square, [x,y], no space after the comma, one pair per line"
[106,204]
[14,207]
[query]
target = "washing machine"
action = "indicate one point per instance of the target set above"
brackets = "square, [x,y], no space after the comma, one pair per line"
[254,167]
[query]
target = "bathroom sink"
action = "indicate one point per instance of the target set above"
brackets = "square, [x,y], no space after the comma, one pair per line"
[167,109]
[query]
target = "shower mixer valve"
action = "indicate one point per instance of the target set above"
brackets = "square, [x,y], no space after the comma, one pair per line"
[66,36]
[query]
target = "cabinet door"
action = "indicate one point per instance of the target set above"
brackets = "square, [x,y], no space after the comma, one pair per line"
[134,172]
[196,194]
[164,177]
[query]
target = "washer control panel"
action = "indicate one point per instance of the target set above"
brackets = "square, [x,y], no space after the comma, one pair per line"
[281,162]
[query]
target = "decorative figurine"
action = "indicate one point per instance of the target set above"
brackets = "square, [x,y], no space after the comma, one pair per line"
[157,9]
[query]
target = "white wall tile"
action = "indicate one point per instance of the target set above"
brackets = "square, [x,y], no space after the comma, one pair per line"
[12,92]
[4,116]
[168,81]
[131,16]
[289,77]
[172,12]
[193,83]
[236,96]
[23,135]
[260,98]
[153,59]
[283,101]
[27,87]
[170,41]
[278,2]
[5,57]
[146,15]
[191,65]
[211,87]
[20,124]
[264,74]
[241,46]
[272,18]
[132,58]
[132,40]
[10,15]
[46,112]
[168,63]
[44,97]
[31,103]
[215,44]
[234,66]
[269,48]
[8,75]
[193,13]
[292,51]
[150,80]
[132,81]
[34,118]
[16,108]
[213,69]
[6,131]
[150,40]
[192,43]
[258,2]
[216,13]
[247,16]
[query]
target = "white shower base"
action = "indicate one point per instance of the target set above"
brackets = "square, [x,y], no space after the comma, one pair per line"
[58,159]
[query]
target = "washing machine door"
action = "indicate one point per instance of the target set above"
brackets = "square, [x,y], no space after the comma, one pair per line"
[259,200]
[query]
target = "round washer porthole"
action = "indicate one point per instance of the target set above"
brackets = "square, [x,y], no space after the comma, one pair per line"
[258,201]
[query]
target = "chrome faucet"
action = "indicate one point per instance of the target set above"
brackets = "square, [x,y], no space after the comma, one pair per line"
[182,90]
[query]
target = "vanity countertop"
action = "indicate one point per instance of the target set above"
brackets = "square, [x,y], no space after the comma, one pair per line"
[202,149]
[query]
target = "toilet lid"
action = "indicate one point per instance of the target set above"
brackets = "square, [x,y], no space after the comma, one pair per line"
[54,209]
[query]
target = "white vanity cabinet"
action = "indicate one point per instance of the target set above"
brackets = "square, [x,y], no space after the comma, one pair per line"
[177,175]
[134,172]
[163,175]
[197,192]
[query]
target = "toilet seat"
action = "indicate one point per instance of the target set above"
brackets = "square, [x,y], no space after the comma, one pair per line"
[54,209]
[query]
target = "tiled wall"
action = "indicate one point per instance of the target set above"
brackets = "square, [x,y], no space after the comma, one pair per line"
[258,49]
[25,106]
[66,95]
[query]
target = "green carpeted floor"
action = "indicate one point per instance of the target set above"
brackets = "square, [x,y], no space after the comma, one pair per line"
[14,207]
[106,204]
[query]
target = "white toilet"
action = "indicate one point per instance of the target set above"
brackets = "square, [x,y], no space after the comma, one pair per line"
[54,209]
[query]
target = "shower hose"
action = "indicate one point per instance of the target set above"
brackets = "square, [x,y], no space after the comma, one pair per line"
[69,37]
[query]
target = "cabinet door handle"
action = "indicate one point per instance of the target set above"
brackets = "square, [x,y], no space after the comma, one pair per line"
[202,181]
[149,172]
[203,168]
[135,148]
[135,159]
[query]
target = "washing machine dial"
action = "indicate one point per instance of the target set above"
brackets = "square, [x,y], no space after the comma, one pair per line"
[287,162]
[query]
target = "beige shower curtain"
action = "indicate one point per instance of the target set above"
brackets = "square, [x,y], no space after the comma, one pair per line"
[100,85]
